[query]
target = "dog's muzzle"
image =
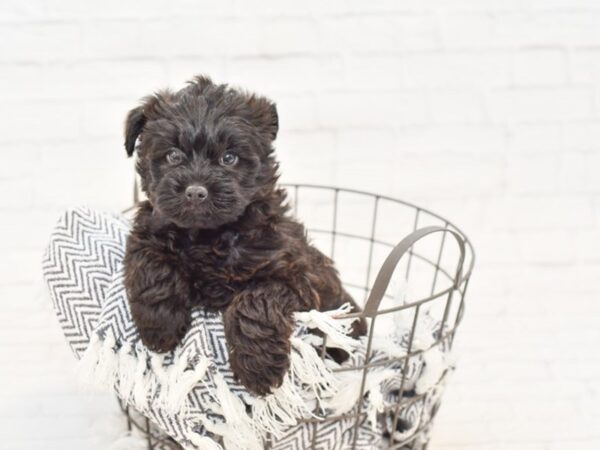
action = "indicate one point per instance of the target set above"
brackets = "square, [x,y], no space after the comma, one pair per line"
[196,193]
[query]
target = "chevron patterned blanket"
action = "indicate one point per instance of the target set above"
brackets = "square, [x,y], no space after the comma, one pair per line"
[191,394]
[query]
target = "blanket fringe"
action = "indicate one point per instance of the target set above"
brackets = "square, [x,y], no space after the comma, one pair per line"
[308,367]
[182,380]
[126,367]
[89,362]
[348,395]
[308,374]
[142,377]
[241,434]
[337,330]
[127,370]
[140,391]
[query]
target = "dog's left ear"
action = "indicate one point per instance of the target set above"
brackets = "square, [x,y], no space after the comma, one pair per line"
[264,115]
[273,122]
[133,127]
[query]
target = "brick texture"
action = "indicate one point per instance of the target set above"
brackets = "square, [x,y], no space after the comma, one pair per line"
[485,111]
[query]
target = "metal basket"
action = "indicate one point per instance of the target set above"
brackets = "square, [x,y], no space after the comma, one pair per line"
[360,231]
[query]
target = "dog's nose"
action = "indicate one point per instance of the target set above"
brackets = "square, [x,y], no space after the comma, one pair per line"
[196,193]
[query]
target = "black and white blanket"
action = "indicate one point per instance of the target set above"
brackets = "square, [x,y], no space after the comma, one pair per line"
[190,393]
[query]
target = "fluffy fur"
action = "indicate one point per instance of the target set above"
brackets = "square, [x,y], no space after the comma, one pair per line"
[228,242]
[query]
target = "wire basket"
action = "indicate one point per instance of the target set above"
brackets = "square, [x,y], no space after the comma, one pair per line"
[360,232]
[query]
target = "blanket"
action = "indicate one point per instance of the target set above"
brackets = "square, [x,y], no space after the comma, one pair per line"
[191,394]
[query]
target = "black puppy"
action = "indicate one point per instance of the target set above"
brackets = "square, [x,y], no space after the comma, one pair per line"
[215,232]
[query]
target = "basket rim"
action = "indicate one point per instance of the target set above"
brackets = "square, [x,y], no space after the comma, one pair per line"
[468,243]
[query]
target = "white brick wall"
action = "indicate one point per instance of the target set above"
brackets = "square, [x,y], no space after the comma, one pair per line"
[486,111]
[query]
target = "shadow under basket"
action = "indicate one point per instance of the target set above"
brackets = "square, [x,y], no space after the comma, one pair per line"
[427,272]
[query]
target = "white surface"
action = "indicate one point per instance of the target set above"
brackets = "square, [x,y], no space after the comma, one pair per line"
[485,111]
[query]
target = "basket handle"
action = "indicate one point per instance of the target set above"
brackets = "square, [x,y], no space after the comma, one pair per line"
[387,269]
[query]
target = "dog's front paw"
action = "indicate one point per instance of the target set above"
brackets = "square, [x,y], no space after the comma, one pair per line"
[259,371]
[258,337]
[159,341]
[161,329]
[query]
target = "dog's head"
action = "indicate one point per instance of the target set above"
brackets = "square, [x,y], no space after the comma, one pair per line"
[204,152]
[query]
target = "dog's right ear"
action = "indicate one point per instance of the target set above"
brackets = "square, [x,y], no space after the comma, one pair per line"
[133,127]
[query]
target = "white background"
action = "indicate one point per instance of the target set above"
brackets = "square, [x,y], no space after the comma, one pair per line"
[484,111]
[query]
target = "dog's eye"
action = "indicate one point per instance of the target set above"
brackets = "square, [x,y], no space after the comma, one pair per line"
[228,159]
[174,157]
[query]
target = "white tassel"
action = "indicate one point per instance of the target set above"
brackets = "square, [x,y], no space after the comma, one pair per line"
[241,433]
[168,378]
[389,346]
[108,362]
[127,370]
[349,389]
[278,411]
[376,400]
[435,366]
[182,381]
[308,367]
[157,364]
[337,330]
[350,383]
[141,387]
[98,366]
[155,380]
[289,402]
[86,367]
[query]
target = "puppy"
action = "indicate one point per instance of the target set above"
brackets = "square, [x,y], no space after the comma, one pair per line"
[215,232]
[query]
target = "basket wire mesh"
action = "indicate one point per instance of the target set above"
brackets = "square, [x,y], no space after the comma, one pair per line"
[359,231]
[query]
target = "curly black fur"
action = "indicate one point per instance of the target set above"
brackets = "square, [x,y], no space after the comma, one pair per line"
[226,244]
